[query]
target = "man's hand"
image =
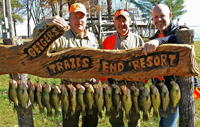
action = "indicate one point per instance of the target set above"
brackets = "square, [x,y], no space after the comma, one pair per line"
[150,46]
[56,20]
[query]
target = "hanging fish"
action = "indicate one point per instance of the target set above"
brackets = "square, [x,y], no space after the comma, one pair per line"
[65,101]
[155,99]
[175,95]
[12,93]
[116,98]
[22,95]
[135,95]
[31,92]
[98,99]
[126,100]
[144,102]
[55,98]
[89,97]
[107,91]
[38,96]
[46,89]
[72,95]
[165,99]
[80,98]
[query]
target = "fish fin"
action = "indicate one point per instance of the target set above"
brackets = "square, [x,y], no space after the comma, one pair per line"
[90,111]
[145,117]
[164,114]
[173,110]
[155,114]
[83,113]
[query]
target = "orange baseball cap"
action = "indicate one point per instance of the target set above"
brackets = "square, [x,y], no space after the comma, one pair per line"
[77,7]
[122,12]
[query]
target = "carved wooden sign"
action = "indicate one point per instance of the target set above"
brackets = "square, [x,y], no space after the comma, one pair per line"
[83,63]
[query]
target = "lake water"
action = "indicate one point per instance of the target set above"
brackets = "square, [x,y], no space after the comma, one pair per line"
[196,33]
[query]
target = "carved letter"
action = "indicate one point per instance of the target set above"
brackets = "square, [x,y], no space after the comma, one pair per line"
[120,67]
[52,68]
[163,60]
[85,63]
[36,49]
[55,31]
[78,62]
[142,63]
[149,61]
[32,52]
[43,42]
[59,66]
[38,44]
[49,34]
[136,65]
[105,67]
[113,67]
[172,57]
[156,60]
[46,38]
[72,60]
[66,64]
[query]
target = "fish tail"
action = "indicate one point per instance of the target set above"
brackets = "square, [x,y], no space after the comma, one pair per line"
[145,117]
[127,117]
[108,114]
[49,113]
[164,114]
[90,111]
[100,114]
[173,110]
[155,114]
[83,113]
[73,114]
[41,110]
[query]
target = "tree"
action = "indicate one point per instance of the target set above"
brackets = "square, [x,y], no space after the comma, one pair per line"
[146,6]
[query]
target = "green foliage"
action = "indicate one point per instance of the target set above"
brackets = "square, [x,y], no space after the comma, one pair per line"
[147,5]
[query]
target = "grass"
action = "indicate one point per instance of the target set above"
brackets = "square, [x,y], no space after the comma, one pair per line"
[9,118]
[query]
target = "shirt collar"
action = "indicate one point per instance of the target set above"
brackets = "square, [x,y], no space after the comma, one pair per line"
[78,36]
[124,36]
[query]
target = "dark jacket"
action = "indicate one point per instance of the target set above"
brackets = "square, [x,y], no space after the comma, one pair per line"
[170,37]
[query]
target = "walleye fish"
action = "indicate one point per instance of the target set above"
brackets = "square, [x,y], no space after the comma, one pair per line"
[155,99]
[80,98]
[107,91]
[175,95]
[12,93]
[116,98]
[38,96]
[46,89]
[22,95]
[72,96]
[55,99]
[144,102]
[126,100]
[64,101]
[135,95]
[89,97]
[98,99]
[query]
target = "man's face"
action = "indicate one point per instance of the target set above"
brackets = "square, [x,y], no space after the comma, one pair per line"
[161,18]
[122,25]
[77,22]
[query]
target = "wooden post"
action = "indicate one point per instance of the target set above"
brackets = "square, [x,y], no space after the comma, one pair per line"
[186,83]
[24,119]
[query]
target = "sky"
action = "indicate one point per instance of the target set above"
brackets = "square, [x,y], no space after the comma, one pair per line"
[191,17]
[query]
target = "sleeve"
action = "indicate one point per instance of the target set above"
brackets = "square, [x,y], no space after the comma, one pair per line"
[196,82]
[39,28]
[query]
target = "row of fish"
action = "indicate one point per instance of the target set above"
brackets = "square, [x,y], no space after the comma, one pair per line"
[113,97]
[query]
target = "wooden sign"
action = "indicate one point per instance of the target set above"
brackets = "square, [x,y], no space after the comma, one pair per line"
[83,63]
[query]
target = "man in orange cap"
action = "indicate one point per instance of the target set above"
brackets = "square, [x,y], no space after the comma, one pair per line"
[122,39]
[161,16]
[77,36]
